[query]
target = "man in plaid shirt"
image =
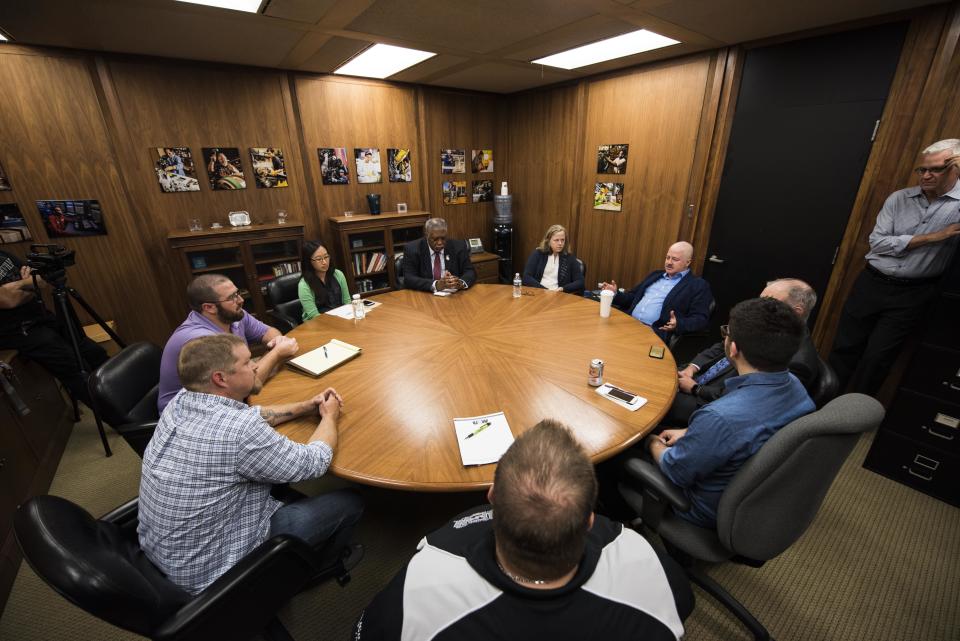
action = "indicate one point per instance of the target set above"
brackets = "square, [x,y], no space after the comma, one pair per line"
[207,473]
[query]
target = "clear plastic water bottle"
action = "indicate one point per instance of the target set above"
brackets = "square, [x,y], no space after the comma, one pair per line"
[517,289]
[358,309]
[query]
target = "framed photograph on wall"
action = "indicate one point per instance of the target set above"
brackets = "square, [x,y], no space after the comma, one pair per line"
[175,170]
[224,168]
[453,161]
[4,181]
[71,218]
[334,169]
[454,192]
[13,228]
[482,161]
[482,191]
[612,159]
[608,196]
[268,168]
[368,164]
[399,167]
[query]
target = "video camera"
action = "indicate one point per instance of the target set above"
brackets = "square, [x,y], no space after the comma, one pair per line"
[50,262]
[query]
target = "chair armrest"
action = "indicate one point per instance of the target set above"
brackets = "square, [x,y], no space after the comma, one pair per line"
[123,514]
[653,481]
[138,435]
[241,603]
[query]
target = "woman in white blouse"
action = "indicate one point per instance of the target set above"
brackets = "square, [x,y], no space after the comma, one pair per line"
[552,266]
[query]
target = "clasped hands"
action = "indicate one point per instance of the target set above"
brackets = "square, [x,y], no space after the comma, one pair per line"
[328,403]
[449,281]
[285,346]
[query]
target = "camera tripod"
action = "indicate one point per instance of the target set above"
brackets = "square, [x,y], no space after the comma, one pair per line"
[67,316]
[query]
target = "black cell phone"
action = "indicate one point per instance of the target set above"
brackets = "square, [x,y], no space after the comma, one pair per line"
[621,394]
[368,303]
[656,351]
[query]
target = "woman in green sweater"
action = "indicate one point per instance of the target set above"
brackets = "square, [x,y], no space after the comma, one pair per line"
[322,287]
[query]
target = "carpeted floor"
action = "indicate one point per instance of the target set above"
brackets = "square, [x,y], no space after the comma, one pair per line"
[880,563]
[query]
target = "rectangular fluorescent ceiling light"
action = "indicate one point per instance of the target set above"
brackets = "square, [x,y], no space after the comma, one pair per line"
[250,6]
[626,45]
[381,61]
[3,37]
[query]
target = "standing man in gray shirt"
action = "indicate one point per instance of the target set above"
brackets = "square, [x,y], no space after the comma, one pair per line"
[912,244]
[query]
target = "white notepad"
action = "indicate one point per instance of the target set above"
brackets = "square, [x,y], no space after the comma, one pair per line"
[482,439]
[325,358]
[346,311]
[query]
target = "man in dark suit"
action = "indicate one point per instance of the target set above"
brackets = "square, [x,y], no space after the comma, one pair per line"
[703,380]
[435,263]
[672,301]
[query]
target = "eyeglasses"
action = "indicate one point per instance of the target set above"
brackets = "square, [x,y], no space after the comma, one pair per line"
[320,259]
[936,171]
[725,331]
[232,298]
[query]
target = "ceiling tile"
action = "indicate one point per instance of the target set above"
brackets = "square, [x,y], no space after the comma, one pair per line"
[500,78]
[308,11]
[468,25]
[428,67]
[333,54]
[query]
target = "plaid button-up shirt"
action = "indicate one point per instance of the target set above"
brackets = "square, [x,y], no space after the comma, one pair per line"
[205,486]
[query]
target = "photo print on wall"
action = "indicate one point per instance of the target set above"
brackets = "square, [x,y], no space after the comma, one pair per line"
[69,218]
[608,196]
[453,161]
[4,181]
[268,168]
[224,168]
[612,159]
[175,169]
[334,169]
[483,191]
[399,167]
[368,164]
[13,228]
[454,192]
[482,161]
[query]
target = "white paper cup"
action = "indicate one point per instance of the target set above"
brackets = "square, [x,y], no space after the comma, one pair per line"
[606,300]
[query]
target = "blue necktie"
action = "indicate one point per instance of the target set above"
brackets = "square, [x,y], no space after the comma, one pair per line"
[713,372]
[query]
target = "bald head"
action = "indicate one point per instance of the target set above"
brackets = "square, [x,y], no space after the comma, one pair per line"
[678,258]
[794,292]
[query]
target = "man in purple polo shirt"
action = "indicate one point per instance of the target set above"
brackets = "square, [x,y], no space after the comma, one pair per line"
[218,307]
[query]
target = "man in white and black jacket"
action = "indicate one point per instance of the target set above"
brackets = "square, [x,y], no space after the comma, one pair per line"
[537,564]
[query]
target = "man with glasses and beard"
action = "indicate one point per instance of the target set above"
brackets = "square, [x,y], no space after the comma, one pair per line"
[217,307]
[911,246]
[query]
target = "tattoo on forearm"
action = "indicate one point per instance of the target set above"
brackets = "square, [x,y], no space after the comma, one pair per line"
[274,417]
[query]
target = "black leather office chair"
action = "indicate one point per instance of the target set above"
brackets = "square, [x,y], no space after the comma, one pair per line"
[282,289]
[98,566]
[583,270]
[287,315]
[827,385]
[686,346]
[124,390]
[398,269]
[769,503]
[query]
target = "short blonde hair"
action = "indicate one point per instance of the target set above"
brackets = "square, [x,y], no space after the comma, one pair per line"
[544,245]
[203,356]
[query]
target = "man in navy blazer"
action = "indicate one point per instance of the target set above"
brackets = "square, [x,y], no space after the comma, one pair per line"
[672,301]
[435,262]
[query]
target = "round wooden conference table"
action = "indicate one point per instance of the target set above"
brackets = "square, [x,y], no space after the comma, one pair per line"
[429,359]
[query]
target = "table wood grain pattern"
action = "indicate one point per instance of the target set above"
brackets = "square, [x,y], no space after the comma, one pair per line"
[427,360]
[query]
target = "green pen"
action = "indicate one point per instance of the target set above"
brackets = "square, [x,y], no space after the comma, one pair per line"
[478,430]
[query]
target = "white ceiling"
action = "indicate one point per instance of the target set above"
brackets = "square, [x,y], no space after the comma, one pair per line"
[483,45]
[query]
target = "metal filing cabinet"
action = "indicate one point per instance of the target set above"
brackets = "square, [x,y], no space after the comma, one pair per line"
[918,443]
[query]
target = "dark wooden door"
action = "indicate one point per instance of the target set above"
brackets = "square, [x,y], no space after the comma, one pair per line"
[801,135]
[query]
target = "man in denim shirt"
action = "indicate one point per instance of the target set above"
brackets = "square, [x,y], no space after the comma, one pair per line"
[762,336]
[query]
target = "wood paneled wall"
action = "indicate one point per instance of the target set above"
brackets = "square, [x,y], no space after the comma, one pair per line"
[658,110]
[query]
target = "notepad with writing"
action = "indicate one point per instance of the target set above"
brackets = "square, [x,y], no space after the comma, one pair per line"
[325,358]
[482,439]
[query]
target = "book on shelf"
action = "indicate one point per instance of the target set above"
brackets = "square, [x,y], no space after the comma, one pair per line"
[282,269]
[323,359]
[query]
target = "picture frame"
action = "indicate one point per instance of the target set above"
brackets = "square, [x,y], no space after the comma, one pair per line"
[401,208]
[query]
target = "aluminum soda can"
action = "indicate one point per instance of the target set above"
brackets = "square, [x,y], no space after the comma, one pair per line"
[596,373]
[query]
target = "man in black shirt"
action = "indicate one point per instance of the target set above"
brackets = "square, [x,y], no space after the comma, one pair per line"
[538,565]
[26,326]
